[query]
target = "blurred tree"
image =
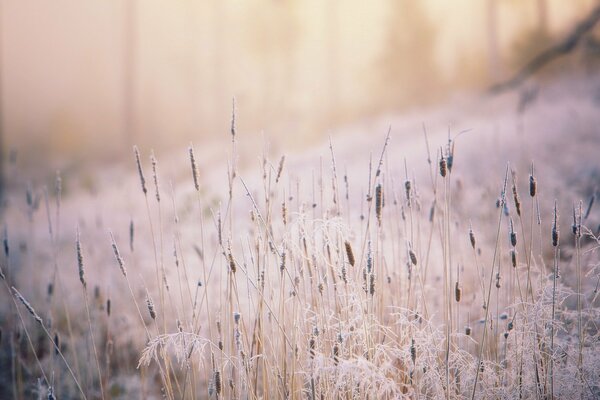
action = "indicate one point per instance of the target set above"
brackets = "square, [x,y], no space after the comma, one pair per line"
[492,35]
[409,73]
[129,71]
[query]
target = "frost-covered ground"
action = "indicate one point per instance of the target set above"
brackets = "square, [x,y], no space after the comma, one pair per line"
[325,200]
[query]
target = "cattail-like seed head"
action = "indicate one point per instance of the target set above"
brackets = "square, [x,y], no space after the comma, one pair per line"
[312,344]
[150,305]
[472,237]
[555,231]
[407,187]
[513,234]
[280,168]
[283,260]
[155,175]
[56,343]
[140,170]
[413,351]
[80,260]
[457,292]
[443,166]
[232,266]
[511,325]
[108,305]
[513,258]
[131,232]
[5,242]
[498,280]
[372,284]
[532,186]
[413,257]
[378,201]
[217,382]
[194,168]
[27,305]
[118,255]
[349,253]
[336,353]
[468,330]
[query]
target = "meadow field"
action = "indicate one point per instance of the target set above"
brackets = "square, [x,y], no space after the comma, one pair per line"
[451,253]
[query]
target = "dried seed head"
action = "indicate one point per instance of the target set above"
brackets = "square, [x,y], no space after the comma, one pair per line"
[155,175]
[515,192]
[280,168]
[150,305]
[139,167]
[378,202]
[118,255]
[80,260]
[217,382]
[2,276]
[555,231]
[372,284]
[284,212]
[468,330]
[472,237]
[513,258]
[131,232]
[407,187]
[413,351]
[108,306]
[336,353]
[513,234]
[532,185]
[232,266]
[457,292]
[498,280]
[194,168]
[349,253]
[27,305]
[312,344]
[233,117]
[443,166]
[413,257]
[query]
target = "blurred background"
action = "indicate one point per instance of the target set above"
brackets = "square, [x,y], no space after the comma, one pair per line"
[83,81]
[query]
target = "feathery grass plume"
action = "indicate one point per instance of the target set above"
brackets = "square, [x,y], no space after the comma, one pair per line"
[118,255]
[349,253]
[155,174]
[378,201]
[515,192]
[532,183]
[443,166]
[280,168]
[555,231]
[513,234]
[27,305]
[140,171]
[194,168]
[150,305]
[80,260]
[233,130]
[471,236]
[457,292]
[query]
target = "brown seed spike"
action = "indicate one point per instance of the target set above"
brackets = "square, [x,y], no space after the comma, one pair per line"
[457,292]
[349,253]
[413,257]
[555,231]
[378,202]
[443,167]
[532,183]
